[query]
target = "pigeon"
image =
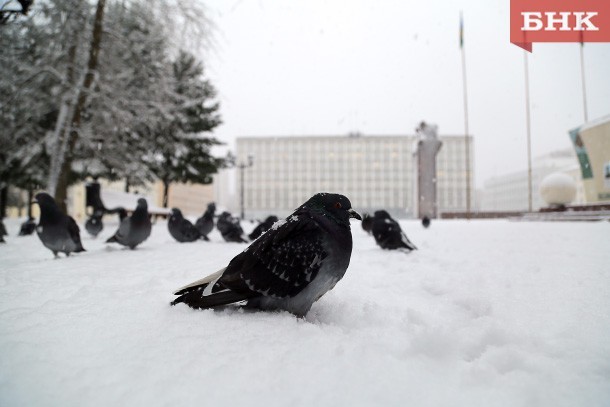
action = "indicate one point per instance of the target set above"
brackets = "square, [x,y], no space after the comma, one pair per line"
[2,232]
[205,224]
[28,227]
[367,223]
[388,234]
[94,224]
[425,222]
[182,229]
[57,231]
[289,267]
[263,227]
[230,229]
[134,229]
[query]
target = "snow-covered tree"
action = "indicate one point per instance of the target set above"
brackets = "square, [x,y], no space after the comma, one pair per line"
[93,91]
[181,152]
[27,107]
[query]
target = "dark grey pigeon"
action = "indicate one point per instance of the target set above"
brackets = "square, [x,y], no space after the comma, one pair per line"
[28,227]
[134,229]
[425,222]
[388,234]
[2,232]
[230,229]
[57,231]
[94,224]
[263,227]
[182,229]
[367,223]
[289,267]
[205,224]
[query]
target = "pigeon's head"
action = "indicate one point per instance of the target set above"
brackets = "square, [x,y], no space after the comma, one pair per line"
[271,219]
[176,213]
[142,203]
[44,200]
[382,214]
[336,206]
[367,222]
[212,207]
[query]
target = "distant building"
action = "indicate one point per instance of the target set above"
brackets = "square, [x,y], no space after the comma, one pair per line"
[374,172]
[451,174]
[509,192]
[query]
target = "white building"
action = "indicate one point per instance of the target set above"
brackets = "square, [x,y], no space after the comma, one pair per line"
[372,171]
[509,192]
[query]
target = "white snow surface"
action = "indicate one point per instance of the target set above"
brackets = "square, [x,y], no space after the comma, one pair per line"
[485,313]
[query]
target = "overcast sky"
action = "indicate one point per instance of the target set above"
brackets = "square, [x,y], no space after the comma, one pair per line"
[314,67]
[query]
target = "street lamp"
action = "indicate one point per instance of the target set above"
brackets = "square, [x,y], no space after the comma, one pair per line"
[242,166]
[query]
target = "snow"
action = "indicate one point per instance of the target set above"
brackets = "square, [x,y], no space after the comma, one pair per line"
[485,313]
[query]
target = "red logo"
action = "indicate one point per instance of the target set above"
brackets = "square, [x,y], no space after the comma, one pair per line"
[558,21]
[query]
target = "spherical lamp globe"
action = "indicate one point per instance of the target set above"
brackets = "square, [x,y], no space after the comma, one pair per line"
[558,189]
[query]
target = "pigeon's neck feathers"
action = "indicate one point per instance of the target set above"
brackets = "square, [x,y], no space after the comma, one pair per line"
[140,214]
[49,213]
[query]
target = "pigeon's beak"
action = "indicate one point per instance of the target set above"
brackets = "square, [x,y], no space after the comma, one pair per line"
[354,214]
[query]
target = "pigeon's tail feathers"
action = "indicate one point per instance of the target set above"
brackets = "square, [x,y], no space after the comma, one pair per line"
[80,249]
[205,293]
[202,283]
[407,243]
[196,299]
[112,239]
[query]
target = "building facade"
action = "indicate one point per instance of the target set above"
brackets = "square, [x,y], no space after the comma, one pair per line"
[373,171]
[592,147]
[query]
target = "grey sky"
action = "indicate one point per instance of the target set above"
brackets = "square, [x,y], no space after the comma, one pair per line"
[314,67]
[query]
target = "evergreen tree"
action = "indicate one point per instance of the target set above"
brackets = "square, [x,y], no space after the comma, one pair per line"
[181,151]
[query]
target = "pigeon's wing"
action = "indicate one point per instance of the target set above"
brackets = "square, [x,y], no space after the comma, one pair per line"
[384,232]
[74,232]
[189,230]
[281,263]
[122,232]
[404,241]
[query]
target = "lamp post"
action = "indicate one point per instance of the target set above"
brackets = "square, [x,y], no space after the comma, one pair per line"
[242,166]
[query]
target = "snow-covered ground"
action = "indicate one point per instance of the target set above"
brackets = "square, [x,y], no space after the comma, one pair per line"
[485,313]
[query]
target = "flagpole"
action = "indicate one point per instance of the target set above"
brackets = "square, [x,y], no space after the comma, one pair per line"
[584,86]
[529,140]
[466,137]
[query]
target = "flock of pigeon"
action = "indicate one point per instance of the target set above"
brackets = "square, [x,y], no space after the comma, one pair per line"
[288,266]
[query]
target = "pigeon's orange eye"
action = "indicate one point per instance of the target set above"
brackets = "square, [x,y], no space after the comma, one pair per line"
[338,205]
